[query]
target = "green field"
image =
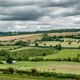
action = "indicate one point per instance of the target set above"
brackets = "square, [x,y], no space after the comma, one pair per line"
[8,47]
[36,51]
[50,53]
[25,77]
[65,53]
[46,66]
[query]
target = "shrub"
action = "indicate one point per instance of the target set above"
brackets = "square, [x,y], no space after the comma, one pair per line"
[44,54]
[33,71]
[37,59]
[36,44]
[9,60]
[11,70]
[58,47]
[4,53]
[1,62]
[22,43]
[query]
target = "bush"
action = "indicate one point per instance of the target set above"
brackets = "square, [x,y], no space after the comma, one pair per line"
[44,54]
[9,60]
[1,62]
[36,44]
[58,47]
[34,71]
[37,59]
[22,43]
[11,70]
[4,53]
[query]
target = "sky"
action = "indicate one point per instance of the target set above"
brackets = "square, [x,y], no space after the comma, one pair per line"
[33,15]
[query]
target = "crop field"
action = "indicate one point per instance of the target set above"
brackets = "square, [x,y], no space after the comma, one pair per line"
[63,33]
[21,37]
[64,44]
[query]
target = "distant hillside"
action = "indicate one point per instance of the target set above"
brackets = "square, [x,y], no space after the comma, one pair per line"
[49,31]
[35,36]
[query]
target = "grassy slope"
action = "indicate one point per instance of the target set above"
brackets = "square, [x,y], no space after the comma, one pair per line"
[50,53]
[33,52]
[8,47]
[65,53]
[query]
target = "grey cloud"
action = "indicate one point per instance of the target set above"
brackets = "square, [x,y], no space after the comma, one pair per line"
[49,14]
[43,3]
[12,3]
[59,3]
[21,13]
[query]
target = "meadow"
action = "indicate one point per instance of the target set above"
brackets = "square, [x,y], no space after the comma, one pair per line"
[46,66]
[25,77]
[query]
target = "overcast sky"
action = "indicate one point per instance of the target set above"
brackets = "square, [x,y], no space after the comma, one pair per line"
[31,15]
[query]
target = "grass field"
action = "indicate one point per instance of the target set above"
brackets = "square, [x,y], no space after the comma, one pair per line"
[25,77]
[47,66]
[65,53]
[33,52]
[8,47]
[50,52]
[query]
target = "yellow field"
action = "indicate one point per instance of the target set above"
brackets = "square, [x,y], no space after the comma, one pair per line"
[63,33]
[64,44]
[21,37]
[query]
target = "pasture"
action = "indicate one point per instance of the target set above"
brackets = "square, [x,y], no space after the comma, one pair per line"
[46,66]
[65,53]
[25,77]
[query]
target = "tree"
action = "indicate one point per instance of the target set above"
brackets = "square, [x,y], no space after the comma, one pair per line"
[44,44]
[9,60]
[11,70]
[44,54]
[33,71]
[58,47]
[45,37]
[69,42]
[36,44]
[4,53]
[22,43]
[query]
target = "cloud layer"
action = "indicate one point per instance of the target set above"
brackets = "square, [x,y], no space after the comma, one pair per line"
[31,15]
